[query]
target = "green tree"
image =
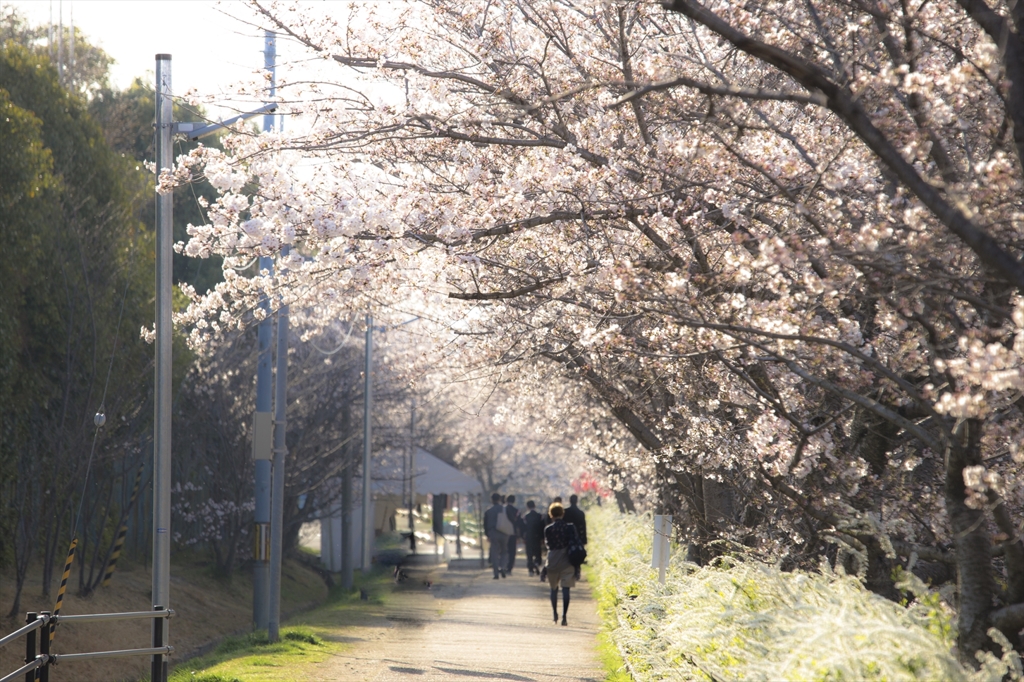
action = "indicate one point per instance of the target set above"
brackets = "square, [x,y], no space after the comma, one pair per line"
[126,117]
[27,192]
[77,291]
[86,68]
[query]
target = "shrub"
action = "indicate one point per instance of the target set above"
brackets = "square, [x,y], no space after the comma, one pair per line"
[744,620]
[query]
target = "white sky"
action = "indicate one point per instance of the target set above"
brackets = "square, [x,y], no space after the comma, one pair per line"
[209,50]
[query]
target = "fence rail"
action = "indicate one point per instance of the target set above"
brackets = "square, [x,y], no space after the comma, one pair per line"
[42,660]
[23,630]
[29,670]
[164,650]
[127,615]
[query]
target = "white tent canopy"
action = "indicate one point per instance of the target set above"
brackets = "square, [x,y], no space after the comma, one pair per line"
[433,475]
[390,481]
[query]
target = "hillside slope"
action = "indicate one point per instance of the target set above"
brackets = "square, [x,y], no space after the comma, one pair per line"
[206,609]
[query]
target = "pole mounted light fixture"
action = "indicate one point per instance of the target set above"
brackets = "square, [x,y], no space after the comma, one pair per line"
[196,130]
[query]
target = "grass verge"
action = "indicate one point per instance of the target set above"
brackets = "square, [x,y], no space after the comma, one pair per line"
[307,640]
[743,620]
[611,658]
[254,657]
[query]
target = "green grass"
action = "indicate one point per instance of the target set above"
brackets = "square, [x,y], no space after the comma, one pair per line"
[607,651]
[253,657]
[305,642]
[611,660]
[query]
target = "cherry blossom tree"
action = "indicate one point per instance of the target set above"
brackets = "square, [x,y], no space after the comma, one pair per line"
[778,245]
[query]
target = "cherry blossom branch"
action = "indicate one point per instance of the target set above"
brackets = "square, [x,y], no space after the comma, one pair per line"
[721,90]
[617,402]
[871,405]
[849,108]
[733,330]
[1011,43]
[924,552]
[627,71]
[500,295]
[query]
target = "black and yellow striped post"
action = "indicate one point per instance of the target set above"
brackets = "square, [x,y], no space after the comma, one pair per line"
[63,585]
[121,533]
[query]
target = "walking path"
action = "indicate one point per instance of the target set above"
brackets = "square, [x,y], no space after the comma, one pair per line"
[470,627]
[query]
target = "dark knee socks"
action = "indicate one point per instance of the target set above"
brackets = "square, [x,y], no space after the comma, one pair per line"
[565,600]
[554,601]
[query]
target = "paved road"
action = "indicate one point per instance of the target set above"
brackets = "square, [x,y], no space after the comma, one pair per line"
[469,627]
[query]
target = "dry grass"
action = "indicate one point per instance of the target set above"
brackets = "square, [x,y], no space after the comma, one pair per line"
[206,610]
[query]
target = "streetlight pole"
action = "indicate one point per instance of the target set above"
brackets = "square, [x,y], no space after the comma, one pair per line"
[280,450]
[165,130]
[262,435]
[280,403]
[162,388]
[412,476]
[263,431]
[367,449]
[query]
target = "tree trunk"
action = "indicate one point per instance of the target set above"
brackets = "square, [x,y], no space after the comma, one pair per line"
[974,568]
[22,557]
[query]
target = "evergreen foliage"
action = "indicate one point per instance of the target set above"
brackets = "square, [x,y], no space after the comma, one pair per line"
[74,252]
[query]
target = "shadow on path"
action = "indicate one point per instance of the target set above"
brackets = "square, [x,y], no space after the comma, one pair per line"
[470,627]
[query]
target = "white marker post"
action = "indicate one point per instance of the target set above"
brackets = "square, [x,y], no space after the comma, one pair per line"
[662,548]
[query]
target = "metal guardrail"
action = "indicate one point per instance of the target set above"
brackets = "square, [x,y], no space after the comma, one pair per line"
[24,630]
[45,621]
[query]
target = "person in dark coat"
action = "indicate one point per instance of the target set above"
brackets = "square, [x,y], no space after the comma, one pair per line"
[545,517]
[577,517]
[533,537]
[558,569]
[517,523]
[498,540]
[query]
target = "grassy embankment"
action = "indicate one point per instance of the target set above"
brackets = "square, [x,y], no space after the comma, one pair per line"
[310,639]
[742,620]
[206,609]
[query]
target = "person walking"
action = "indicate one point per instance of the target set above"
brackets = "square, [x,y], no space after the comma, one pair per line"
[533,537]
[517,524]
[546,518]
[559,570]
[577,517]
[497,529]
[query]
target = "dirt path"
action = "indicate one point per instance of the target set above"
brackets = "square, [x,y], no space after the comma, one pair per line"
[470,627]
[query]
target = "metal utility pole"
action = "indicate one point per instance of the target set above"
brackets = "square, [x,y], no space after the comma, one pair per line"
[280,404]
[162,388]
[280,450]
[165,129]
[367,464]
[346,497]
[262,433]
[412,476]
[60,44]
[261,445]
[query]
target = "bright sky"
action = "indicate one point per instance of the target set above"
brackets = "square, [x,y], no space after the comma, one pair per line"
[210,49]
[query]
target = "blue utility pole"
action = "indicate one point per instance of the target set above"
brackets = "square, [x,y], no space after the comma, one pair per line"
[367,450]
[263,431]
